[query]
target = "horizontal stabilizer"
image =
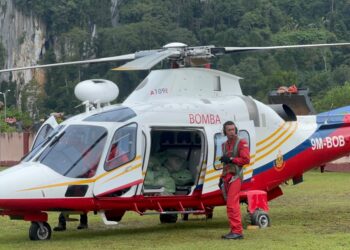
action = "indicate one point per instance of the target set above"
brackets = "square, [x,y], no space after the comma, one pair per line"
[335,116]
[299,102]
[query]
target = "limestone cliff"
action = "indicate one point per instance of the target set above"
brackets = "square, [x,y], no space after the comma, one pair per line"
[23,38]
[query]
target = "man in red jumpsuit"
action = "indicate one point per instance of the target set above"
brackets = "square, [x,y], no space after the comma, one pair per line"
[235,154]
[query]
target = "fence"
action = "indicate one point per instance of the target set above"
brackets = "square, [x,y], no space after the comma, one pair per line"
[13,146]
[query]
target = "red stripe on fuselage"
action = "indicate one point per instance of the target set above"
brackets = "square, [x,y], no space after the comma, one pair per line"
[48,204]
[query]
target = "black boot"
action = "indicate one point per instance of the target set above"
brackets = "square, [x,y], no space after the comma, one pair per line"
[232,236]
[60,227]
[61,223]
[83,222]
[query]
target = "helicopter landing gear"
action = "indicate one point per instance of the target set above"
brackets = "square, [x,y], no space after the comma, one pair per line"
[39,231]
[260,218]
[168,218]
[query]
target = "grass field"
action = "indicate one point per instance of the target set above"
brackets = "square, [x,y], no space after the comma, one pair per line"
[312,215]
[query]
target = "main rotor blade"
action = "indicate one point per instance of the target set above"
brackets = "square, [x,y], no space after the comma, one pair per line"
[242,49]
[105,59]
[148,61]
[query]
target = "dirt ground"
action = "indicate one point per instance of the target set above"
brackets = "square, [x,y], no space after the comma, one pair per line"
[337,167]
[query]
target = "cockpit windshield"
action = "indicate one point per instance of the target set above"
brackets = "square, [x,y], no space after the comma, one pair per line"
[76,151]
[41,142]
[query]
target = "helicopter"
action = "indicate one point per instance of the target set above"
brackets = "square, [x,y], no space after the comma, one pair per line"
[158,151]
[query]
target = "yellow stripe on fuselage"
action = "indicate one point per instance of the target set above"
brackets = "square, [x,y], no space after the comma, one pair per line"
[248,172]
[124,172]
[279,144]
[270,136]
[212,178]
[276,139]
[88,181]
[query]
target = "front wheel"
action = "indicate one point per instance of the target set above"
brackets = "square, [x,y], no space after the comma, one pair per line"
[39,231]
[261,219]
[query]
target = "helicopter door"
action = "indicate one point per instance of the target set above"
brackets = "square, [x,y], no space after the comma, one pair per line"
[212,176]
[44,131]
[175,160]
[123,164]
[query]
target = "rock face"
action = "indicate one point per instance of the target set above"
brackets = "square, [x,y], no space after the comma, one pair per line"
[114,12]
[23,38]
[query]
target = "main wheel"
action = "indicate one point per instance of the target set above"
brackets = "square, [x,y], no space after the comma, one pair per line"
[168,218]
[39,231]
[261,219]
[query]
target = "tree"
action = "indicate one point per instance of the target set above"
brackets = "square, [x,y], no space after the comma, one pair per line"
[333,98]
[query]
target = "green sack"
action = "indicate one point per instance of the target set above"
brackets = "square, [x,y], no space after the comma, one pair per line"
[183,177]
[167,182]
[154,164]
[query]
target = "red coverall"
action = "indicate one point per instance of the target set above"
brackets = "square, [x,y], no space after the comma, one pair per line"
[233,188]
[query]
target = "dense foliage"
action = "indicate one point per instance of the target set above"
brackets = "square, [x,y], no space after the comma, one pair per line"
[146,24]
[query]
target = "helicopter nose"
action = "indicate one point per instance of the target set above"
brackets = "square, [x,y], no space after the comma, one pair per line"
[17,186]
[17,182]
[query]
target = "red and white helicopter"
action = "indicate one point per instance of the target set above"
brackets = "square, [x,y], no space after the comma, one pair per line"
[158,151]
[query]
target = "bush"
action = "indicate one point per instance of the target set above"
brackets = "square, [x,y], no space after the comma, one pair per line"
[22,118]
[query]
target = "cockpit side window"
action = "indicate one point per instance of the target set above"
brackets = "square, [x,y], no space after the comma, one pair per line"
[123,147]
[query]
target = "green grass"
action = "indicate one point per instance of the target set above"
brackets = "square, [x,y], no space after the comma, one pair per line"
[312,215]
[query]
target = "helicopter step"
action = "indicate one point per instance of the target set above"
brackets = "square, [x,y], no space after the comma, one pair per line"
[181,210]
[170,216]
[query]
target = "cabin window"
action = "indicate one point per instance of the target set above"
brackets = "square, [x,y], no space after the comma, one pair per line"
[175,162]
[243,134]
[123,147]
[219,139]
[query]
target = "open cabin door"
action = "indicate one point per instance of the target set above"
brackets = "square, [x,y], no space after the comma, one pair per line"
[44,131]
[123,164]
[214,169]
[176,156]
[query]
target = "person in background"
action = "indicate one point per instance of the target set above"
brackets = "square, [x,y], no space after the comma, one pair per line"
[62,222]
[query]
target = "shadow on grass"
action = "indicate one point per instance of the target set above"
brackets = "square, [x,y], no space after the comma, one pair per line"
[142,231]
